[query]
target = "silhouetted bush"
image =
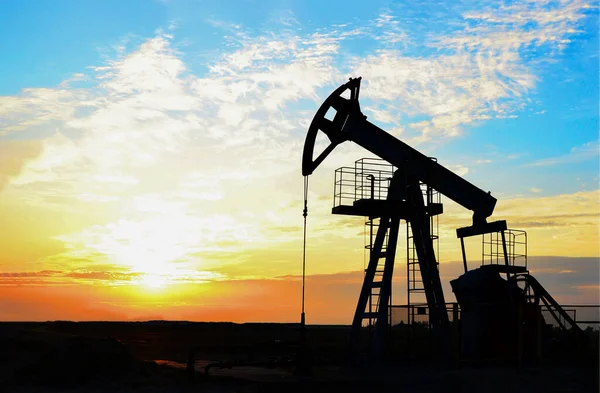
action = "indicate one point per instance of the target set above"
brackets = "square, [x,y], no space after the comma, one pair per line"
[79,359]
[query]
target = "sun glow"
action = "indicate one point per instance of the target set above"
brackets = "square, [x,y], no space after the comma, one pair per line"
[153,281]
[156,243]
[159,244]
[159,240]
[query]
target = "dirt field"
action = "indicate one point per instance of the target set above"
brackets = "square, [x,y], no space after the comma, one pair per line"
[151,357]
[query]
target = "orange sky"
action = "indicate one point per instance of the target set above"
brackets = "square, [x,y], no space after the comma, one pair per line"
[331,298]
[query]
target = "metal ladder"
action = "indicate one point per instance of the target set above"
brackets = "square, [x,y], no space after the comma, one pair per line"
[372,226]
[415,288]
[416,298]
[374,300]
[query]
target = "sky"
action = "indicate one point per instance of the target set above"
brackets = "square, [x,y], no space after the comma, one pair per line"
[150,151]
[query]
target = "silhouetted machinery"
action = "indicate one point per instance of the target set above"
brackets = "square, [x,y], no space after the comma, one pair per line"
[403,184]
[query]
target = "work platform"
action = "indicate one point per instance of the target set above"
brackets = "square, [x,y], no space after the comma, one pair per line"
[362,191]
[375,208]
[385,196]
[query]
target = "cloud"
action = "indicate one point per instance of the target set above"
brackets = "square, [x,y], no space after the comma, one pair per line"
[535,190]
[154,144]
[57,277]
[561,225]
[43,273]
[477,72]
[567,209]
[389,30]
[585,152]
[37,107]
[109,278]
[14,155]
[459,169]
[147,103]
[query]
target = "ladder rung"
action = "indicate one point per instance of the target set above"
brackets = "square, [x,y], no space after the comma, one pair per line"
[370,247]
[369,315]
[377,284]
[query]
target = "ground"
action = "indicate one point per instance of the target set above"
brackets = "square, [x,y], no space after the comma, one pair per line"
[151,357]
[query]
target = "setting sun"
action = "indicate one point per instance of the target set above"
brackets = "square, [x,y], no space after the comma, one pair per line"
[154,281]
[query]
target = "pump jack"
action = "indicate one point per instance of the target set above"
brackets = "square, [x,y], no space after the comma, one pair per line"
[404,201]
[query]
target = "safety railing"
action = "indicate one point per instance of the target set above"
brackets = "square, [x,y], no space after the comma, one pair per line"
[585,315]
[369,179]
[408,314]
[344,193]
[492,248]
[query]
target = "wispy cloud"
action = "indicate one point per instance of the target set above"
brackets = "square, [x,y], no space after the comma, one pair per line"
[13,157]
[103,278]
[588,151]
[478,72]
[556,225]
[390,31]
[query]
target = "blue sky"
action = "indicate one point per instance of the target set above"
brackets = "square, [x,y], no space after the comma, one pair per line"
[46,43]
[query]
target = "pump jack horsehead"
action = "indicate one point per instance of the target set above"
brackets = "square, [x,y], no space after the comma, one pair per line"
[404,202]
